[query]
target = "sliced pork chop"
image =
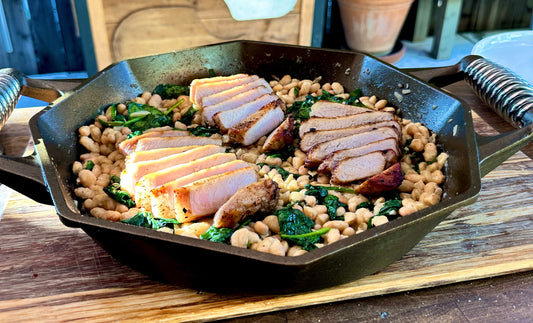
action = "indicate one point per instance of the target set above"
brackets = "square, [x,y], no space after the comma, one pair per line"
[281,136]
[210,85]
[139,156]
[227,119]
[131,174]
[257,125]
[206,196]
[161,201]
[328,109]
[381,145]
[209,111]
[158,178]
[316,124]
[357,168]
[228,94]
[168,142]
[128,146]
[387,180]
[318,153]
[311,139]
[258,197]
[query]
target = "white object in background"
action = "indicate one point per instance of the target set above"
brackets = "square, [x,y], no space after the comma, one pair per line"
[513,50]
[259,9]
[5,193]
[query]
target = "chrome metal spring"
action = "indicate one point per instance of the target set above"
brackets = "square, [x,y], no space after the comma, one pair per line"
[505,92]
[10,88]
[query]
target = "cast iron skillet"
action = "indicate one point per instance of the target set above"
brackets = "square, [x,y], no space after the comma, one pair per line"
[218,267]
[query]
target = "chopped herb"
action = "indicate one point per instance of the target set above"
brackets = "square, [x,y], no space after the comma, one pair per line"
[187,117]
[114,191]
[284,173]
[169,110]
[215,234]
[306,240]
[147,220]
[211,72]
[201,131]
[335,188]
[89,165]
[296,91]
[169,91]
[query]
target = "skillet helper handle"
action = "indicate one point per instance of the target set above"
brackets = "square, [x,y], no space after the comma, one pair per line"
[23,174]
[509,96]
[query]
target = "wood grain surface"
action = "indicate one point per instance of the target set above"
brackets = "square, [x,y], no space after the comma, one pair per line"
[54,273]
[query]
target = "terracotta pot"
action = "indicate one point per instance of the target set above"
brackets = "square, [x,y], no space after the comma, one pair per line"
[372,26]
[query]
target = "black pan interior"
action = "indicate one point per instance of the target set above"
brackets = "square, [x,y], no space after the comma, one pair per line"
[55,131]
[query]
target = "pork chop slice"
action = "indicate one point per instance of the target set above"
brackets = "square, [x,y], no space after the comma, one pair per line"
[204,197]
[161,177]
[281,136]
[210,85]
[139,156]
[257,197]
[229,93]
[131,174]
[357,168]
[257,125]
[332,160]
[313,138]
[316,124]
[387,180]
[318,153]
[161,201]
[328,109]
[229,118]
[128,146]
[168,142]
[209,111]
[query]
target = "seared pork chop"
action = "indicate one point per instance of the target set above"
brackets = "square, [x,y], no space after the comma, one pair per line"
[256,125]
[316,124]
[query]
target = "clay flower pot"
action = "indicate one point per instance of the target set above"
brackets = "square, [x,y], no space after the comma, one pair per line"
[372,26]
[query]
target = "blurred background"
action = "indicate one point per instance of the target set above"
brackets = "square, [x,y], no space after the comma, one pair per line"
[77,38]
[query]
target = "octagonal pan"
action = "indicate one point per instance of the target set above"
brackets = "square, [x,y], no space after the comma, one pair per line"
[218,267]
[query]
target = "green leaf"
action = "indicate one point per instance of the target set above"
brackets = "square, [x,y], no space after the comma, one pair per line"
[187,117]
[169,91]
[211,72]
[284,153]
[147,220]
[293,221]
[332,204]
[215,234]
[201,131]
[113,190]
[306,240]
[89,165]
[390,209]
[366,205]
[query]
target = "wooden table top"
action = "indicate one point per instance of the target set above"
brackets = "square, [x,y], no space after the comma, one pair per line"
[475,266]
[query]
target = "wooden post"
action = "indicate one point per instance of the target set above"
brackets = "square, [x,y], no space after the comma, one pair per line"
[423,18]
[447,14]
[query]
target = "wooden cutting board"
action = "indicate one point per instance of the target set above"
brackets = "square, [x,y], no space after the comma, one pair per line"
[50,272]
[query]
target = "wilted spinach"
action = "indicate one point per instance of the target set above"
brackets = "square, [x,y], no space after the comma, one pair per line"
[215,234]
[201,131]
[147,220]
[322,197]
[306,240]
[170,91]
[113,190]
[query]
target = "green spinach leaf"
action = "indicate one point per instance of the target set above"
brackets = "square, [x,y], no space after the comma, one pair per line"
[215,234]
[306,240]
[147,220]
[169,91]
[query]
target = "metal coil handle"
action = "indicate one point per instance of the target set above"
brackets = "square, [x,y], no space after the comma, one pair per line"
[505,92]
[11,82]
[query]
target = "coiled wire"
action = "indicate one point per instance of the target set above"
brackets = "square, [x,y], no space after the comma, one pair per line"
[10,88]
[508,94]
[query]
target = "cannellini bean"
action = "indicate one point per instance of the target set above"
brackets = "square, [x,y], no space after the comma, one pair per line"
[87,178]
[243,238]
[332,236]
[272,222]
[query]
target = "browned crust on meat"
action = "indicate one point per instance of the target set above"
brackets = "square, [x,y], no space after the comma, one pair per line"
[281,136]
[388,180]
[259,197]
